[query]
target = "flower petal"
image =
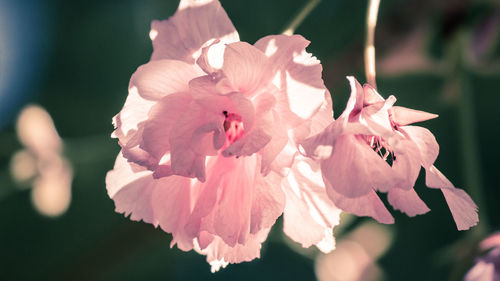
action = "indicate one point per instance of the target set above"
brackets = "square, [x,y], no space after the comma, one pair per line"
[194,25]
[162,118]
[163,202]
[426,142]
[128,122]
[407,201]
[188,160]
[368,205]
[247,69]
[309,215]
[268,202]
[463,209]
[404,116]
[406,166]
[227,201]
[219,254]
[298,73]
[160,78]
[354,169]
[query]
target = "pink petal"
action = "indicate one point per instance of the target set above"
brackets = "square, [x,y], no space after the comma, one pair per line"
[407,201]
[158,79]
[354,169]
[219,254]
[309,214]
[233,213]
[298,73]
[129,127]
[208,138]
[404,116]
[212,57]
[246,68]
[405,166]
[491,241]
[163,202]
[368,205]
[162,118]
[435,179]
[355,102]
[192,27]
[268,202]
[463,209]
[371,95]
[426,142]
[185,160]
[128,121]
[482,271]
[227,203]
[140,157]
[320,146]
[274,147]
[376,119]
[248,144]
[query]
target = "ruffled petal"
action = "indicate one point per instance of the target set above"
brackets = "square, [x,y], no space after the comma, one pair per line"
[195,25]
[298,73]
[129,127]
[309,215]
[268,202]
[463,209]
[128,122]
[219,254]
[231,199]
[407,201]
[163,202]
[160,78]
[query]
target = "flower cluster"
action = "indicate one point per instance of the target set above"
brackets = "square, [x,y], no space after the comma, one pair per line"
[372,147]
[220,137]
[210,133]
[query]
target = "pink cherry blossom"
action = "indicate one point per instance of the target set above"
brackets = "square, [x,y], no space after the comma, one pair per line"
[371,147]
[209,135]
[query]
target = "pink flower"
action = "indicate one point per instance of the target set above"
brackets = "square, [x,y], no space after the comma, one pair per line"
[209,135]
[371,147]
[487,267]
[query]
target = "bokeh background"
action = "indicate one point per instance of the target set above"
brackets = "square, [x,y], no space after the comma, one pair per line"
[74,59]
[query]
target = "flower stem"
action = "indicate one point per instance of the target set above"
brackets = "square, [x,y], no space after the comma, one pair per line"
[299,18]
[371,22]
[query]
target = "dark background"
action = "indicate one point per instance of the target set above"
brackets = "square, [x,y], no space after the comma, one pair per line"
[75,58]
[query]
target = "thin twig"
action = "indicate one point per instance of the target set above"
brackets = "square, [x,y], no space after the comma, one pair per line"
[371,22]
[297,20]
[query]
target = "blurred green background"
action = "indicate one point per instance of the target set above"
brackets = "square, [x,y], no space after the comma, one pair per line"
[75,58]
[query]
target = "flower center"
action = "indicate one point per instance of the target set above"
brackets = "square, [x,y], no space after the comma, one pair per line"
[380,147]
[233,127]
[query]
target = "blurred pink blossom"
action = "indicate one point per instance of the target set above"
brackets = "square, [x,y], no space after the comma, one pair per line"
[209,135]
[487,267]
[371,147]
